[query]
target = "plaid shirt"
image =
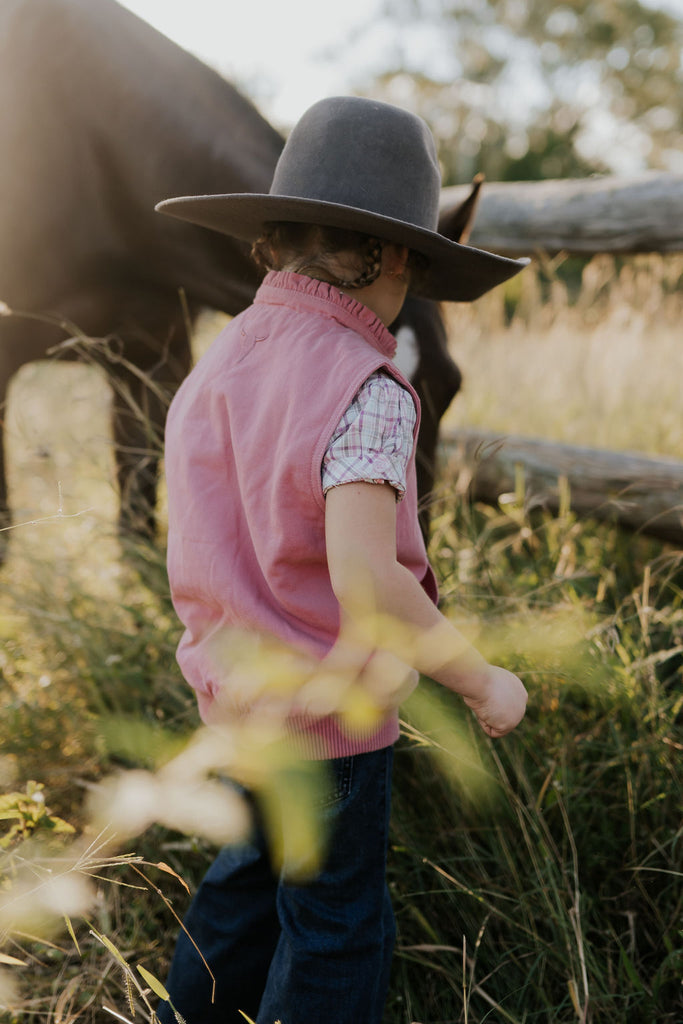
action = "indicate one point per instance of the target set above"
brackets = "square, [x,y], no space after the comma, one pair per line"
[374,440]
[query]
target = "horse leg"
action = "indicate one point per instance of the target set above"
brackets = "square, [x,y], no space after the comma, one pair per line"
[436,379]
[5,516]
[22,340]
[141,399]
[434,402]
[138,416]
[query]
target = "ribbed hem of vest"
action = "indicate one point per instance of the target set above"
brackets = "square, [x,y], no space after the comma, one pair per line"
[323,738]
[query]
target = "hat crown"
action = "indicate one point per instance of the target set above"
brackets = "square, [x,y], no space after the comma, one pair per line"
[364,154]
[365,166]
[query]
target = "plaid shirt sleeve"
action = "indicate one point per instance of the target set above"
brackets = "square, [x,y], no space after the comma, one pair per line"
[374,440]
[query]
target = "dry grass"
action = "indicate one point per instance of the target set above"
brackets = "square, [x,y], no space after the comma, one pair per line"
[601,371]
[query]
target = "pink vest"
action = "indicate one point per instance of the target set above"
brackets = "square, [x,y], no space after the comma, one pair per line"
[245,438]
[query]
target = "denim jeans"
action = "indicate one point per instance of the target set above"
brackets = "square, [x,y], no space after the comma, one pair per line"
[313,953]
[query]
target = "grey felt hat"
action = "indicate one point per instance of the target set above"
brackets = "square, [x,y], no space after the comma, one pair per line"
[367,166]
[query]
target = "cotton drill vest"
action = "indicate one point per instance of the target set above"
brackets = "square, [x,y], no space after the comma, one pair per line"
[245,438]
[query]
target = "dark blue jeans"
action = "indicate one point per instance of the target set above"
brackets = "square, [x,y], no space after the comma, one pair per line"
[314,953]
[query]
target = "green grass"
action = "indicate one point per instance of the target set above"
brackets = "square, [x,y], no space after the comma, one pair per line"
[564,882]
[537,878]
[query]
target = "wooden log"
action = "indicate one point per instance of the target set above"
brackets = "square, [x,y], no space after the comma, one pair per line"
[636,491]
[581,216]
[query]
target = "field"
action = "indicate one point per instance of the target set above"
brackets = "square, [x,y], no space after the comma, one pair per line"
[535,879]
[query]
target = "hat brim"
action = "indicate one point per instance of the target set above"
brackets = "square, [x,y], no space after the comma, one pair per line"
[456,273]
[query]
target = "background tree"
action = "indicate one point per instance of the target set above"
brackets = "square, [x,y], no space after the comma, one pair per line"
[536,90]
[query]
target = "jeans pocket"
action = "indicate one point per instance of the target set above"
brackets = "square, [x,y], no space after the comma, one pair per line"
[340,780]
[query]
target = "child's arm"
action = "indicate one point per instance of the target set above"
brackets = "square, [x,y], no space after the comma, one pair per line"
[372,586]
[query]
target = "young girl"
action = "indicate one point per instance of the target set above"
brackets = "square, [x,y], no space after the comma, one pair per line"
[293,514]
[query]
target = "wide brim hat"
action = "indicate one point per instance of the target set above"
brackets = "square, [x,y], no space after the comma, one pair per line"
[365,166]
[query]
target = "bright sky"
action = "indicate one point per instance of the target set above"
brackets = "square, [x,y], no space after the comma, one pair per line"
[281,54]
[286,55]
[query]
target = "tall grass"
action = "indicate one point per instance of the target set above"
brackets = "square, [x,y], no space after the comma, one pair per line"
[593,366]
[537,878]
[566,884]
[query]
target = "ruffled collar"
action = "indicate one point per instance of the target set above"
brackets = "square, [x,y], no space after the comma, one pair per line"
[282,287]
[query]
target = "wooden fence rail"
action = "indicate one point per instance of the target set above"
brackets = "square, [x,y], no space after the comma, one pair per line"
[581,216]
[636,491]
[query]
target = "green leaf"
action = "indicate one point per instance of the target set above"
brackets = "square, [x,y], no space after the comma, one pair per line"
[72,933]
[630,970]
[110,946]
[154,983]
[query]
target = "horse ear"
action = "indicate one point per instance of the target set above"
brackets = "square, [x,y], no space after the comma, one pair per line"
[457,222]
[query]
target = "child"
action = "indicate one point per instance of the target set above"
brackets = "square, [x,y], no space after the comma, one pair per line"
[293,514]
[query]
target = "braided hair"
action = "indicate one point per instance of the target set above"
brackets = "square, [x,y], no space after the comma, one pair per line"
[315,251]
[372,259]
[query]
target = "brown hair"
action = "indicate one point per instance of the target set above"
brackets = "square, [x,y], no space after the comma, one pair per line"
[314,250]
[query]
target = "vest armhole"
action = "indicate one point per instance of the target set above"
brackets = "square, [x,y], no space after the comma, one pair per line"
[340,408]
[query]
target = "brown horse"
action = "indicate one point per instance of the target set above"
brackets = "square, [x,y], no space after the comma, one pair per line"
[100,118]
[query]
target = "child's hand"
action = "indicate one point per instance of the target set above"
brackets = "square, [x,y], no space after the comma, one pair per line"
[383,684]
[387,680]
[348,681]
[502,703]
